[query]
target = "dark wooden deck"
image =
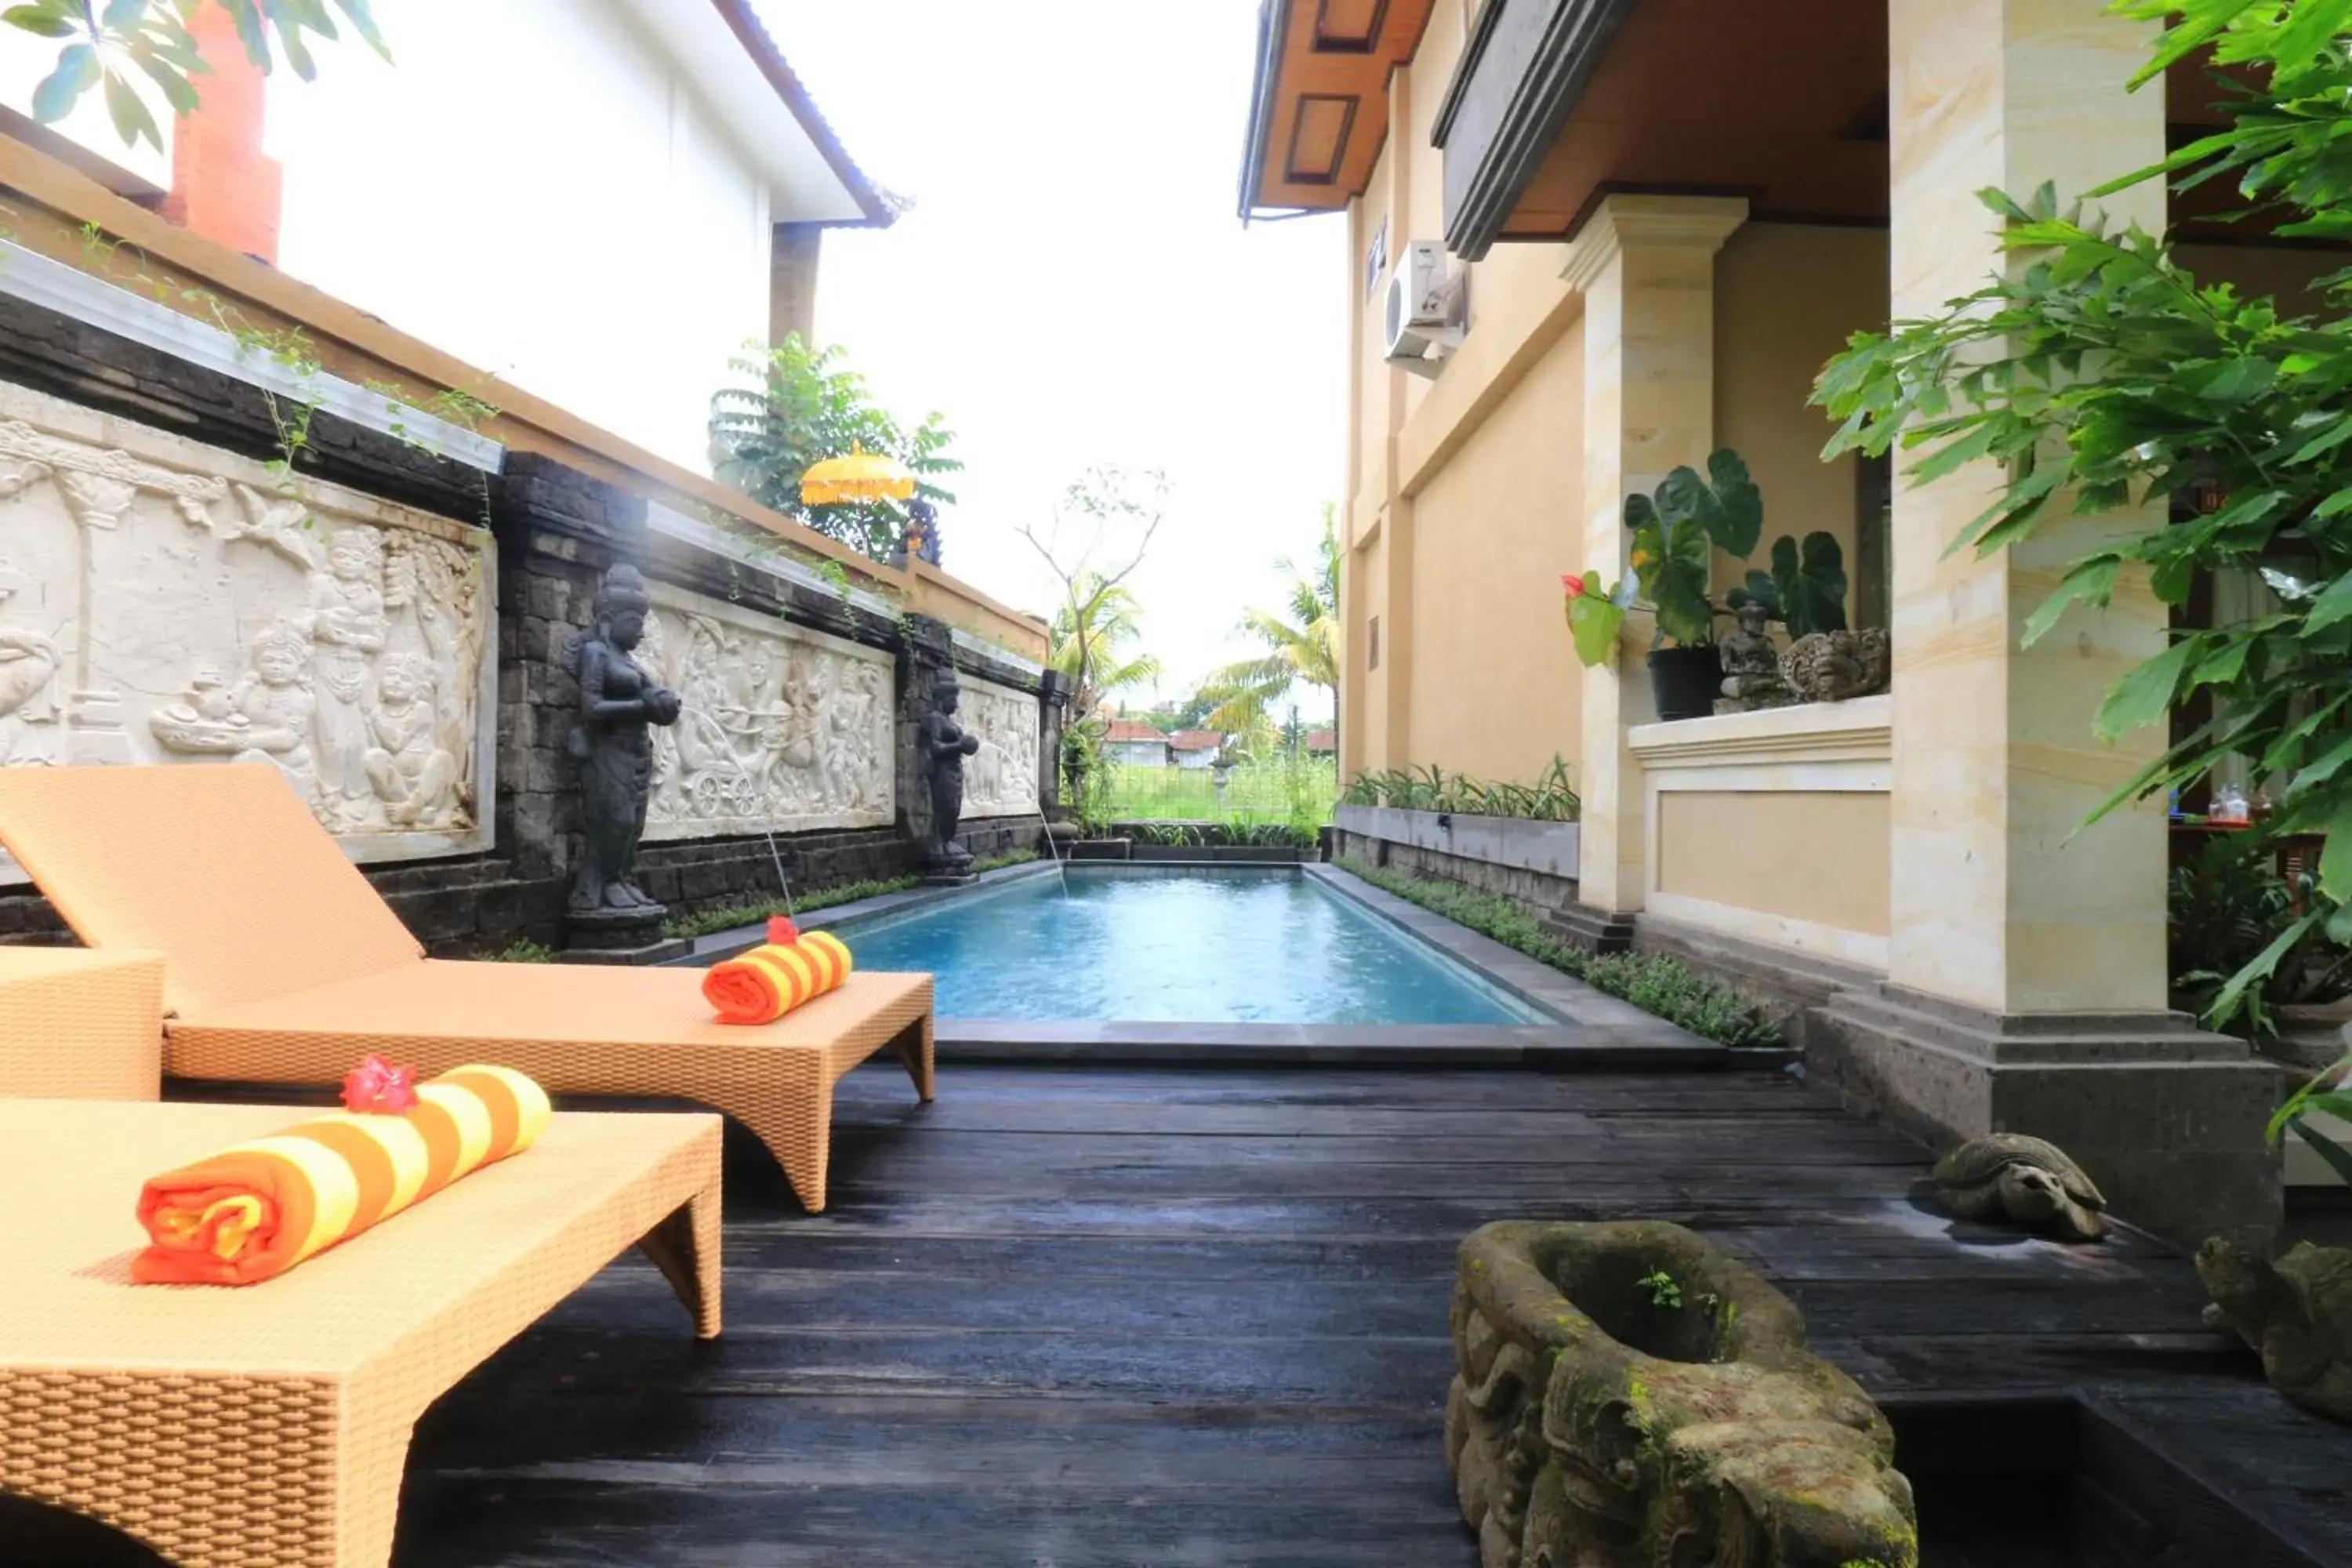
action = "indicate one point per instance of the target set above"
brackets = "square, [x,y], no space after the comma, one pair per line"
[1079,1317]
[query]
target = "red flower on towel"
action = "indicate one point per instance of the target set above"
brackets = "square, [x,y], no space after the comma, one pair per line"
[376,1087]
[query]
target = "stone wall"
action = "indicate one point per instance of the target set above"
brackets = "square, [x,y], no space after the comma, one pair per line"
[796,683]
[1537,889]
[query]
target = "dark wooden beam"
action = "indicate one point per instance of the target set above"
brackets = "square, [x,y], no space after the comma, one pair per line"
[1522,72]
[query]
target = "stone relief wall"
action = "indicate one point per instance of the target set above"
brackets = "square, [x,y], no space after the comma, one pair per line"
[1001,779]
[783,729]
[167,602]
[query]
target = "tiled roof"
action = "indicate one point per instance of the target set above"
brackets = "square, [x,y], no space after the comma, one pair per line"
[1196,739]
[1322,740]
[1131,730]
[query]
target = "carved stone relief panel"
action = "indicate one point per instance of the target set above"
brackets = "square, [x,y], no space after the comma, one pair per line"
[783,729]
[167,602]
[1001,779]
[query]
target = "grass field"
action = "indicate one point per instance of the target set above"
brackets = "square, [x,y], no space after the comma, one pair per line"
[1264,792]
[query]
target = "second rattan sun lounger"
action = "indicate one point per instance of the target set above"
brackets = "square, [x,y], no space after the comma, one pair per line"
[282,965]
[267,1427]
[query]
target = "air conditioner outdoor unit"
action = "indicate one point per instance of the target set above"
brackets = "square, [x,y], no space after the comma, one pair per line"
[1425,308]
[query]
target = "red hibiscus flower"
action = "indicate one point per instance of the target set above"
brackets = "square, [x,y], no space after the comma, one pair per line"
[375,1087]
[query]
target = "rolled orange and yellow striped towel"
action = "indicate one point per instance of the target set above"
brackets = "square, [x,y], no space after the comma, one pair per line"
[254,1211]
[763,984]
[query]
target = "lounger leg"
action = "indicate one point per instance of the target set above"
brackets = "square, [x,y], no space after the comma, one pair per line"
[914,1046]
[795,1121]
[685,1248]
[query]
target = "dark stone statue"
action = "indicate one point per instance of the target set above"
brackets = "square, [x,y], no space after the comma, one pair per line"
[923,532]
[613,744]
[1751,667]
[943,745]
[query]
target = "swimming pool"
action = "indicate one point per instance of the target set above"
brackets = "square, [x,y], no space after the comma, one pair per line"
[1177,945]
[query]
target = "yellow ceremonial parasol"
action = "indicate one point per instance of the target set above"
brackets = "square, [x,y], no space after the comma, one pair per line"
[862,476]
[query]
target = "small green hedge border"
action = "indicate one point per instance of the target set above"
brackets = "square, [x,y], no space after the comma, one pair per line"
[1652,982]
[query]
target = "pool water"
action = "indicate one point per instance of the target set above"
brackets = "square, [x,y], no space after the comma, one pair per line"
[1249,946]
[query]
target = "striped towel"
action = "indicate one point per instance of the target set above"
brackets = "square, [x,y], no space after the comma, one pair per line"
[763,984]
[252,1212]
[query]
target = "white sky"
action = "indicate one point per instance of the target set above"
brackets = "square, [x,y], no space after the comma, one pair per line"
[1073,287]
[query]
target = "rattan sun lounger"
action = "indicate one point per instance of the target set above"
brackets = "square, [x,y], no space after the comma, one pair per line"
[283,966]
[267,1426]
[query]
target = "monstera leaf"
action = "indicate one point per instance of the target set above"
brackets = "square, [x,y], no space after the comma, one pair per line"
[1805,590]
[1729,512]
[1670,564]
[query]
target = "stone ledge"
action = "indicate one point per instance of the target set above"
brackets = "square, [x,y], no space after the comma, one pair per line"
[1861,730]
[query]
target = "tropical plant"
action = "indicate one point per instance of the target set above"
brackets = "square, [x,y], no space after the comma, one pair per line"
[1092,541]
[1675,535]
[105,39]
[1301,642]
[2101,375]
[1551,798]
[1093,633]
[801,405]
[2227,907]
[1653,982]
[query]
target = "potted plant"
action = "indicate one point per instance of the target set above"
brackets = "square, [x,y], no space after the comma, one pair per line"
[1675,534]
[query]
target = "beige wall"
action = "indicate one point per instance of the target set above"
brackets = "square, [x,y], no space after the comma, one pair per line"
[1787,297]
[1815,856]
[1494,691]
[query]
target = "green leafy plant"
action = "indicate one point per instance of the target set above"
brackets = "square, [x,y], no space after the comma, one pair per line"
[2100,374]
[105,39]
[1675,535]
[1653,982]
[522,951]
[2325,1095]
[1301,643]
[1551,798]
[801,405]
[2228,909]
[1662,1288]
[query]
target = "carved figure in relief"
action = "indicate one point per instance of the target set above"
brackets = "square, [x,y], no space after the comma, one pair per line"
[411,772]
[619,704]
[274,703]
[28,671]
[349,627]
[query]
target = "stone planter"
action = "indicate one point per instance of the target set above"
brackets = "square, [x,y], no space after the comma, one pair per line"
[1627,1396]
[1102,849]
[1234,854]
[1544,849]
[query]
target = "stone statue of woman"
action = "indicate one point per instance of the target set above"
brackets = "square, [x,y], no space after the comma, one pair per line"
[943,745]
[613,744]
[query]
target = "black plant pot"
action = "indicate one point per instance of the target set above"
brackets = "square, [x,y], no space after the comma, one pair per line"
[1686,681]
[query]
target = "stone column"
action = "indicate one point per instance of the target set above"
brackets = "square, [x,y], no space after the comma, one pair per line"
[2026,986]
[1053,691]
[1646,266]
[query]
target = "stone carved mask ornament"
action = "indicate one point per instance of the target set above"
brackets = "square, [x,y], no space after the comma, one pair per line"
[1627,1396]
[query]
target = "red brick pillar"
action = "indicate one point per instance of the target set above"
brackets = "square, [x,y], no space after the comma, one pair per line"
[223,185]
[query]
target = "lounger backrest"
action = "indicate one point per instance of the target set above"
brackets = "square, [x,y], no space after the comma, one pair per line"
[221,868]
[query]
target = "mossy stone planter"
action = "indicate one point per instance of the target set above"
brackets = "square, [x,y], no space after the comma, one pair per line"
[1628,1395]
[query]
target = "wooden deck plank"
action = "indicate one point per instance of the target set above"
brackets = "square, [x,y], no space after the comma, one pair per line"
[1113,1316]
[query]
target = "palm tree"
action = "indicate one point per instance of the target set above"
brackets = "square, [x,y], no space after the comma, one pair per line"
[1092,636]
[1301,641]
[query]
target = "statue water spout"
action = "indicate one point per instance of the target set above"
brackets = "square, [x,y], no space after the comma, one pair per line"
[619,704]
[943,745]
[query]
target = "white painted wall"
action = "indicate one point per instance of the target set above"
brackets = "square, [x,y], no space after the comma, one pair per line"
[535,188]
